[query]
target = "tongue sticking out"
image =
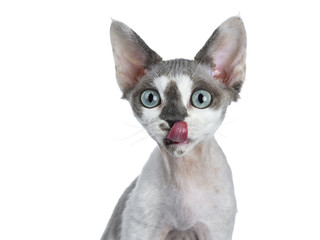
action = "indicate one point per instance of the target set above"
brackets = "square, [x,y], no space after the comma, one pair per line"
[178,132]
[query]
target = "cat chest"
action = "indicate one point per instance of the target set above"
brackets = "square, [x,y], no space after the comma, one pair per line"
[193,203]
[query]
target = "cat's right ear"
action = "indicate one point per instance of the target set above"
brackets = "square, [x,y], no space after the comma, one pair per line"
[131,54]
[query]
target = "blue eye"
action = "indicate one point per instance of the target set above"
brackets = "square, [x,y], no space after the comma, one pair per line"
[150,98]
[201,99]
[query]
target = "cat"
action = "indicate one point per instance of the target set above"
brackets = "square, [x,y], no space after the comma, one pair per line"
[185,190]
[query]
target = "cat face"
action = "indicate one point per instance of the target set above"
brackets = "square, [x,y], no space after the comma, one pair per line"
[166,95]
[180,102]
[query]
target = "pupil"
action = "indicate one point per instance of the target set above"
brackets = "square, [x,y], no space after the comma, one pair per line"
[201,98]
[150,97]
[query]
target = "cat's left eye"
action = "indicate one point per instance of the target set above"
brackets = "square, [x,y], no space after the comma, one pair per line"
[150,98]
[201,99]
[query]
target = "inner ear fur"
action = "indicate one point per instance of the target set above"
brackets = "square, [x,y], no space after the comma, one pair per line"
[225,53]
[132,56]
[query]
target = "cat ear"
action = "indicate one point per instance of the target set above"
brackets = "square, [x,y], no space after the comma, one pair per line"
[131,55]
[225,53]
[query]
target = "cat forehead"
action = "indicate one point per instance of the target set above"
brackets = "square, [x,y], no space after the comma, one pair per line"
[182,82]
[169,87]
[178,67]
[182,71]
[187,75]
[178,79]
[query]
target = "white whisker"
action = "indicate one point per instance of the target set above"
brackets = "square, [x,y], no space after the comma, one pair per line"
[131,136]
[155,73]
[220,134]
[199,63]
[140,140]
[228,122]
[129,124]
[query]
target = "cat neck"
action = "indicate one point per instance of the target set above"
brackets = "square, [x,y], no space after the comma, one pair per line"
[204,160]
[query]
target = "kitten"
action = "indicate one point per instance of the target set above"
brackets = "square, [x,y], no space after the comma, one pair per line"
[185,190]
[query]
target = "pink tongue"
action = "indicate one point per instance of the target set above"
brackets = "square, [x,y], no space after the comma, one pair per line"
[178,132]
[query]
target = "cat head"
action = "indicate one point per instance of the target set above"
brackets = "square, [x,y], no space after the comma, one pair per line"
[181,102]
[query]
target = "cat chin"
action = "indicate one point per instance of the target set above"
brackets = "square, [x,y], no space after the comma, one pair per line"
[177,149]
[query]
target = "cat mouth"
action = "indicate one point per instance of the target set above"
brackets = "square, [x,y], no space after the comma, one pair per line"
[176,149]
[178,134]
[169,142]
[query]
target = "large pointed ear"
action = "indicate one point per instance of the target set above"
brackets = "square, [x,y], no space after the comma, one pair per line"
[225,53]
[131,54]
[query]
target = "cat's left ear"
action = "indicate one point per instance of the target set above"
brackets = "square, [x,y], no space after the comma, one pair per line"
[225,53]
[131,54]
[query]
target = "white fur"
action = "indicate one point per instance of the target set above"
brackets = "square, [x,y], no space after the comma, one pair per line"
[184,84]
[161,202]
[185,188]
[197,119]
[182,191]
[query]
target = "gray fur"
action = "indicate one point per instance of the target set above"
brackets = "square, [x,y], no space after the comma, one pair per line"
[203,56]
[185,191]
[134,39]
[189,234]
[134,94]
[113,229]
[237,52]
[173,111]
[196,71]
[135,52]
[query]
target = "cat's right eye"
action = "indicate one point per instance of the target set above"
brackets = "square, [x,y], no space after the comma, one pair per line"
[150,98]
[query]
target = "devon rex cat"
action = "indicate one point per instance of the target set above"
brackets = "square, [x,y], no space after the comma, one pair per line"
[185,190]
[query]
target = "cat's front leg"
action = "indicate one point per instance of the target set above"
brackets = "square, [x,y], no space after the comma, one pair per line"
[137,229]
[142,218]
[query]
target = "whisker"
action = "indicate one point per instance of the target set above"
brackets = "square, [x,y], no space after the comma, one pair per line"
[150,134]
[200,62]
[228,122]
[220,134]
[129,124]
[130,136]
[140,140]
[155,73]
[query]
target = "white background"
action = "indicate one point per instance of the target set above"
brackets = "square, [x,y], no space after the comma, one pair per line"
[69,145]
